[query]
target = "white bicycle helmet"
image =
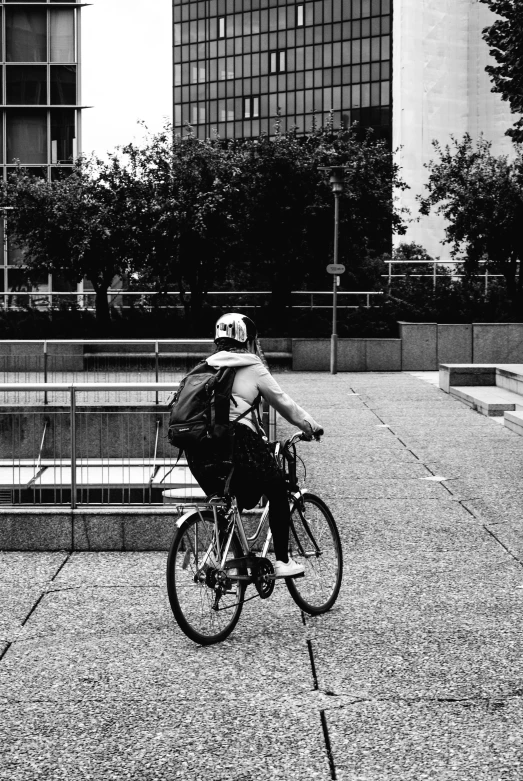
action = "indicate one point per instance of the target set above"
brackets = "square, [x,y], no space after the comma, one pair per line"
[235,326]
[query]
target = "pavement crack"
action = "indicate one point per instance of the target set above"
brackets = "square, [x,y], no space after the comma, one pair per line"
[505,548]
[328,746]
[62,565]
[313,665]
[28,616]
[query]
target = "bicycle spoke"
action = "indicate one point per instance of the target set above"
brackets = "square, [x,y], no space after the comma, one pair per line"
[314,542]
[193,554]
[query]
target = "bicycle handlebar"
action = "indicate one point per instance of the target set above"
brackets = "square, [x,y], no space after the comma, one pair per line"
[300,437]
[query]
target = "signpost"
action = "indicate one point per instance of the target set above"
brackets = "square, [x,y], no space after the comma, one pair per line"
[336,179]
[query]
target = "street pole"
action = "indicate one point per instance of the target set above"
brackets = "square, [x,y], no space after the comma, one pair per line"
[334,337]
[336,179]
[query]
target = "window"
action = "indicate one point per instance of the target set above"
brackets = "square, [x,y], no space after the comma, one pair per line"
[63,136]
[63,84]
[26,84]
[251,107]
[27,136]
[278,61]
[197,114]
[26,35]
[299,15]
[221,27]
[62,35]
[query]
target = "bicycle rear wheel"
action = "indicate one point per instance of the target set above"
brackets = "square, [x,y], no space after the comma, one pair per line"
[193,558]
[315,543]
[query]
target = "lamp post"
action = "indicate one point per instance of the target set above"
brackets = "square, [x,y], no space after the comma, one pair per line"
[337,173]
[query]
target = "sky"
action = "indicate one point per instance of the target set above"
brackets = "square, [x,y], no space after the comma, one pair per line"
[126,71]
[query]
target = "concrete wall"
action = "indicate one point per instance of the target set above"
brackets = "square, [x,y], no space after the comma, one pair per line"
[354,355]
[106,432]
[426,345]
[28,356]
[421,347]
[498,342]
[101,528]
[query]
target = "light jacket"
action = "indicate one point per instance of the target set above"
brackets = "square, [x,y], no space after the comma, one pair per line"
[252,378]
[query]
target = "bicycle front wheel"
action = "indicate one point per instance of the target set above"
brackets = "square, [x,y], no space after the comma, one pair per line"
[315,543]
[205,614]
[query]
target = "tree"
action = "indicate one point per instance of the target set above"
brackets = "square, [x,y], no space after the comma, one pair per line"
[193,193]
[288,205]
[505,38]
[194,214]
[86,224]
[481,197]
[258,211]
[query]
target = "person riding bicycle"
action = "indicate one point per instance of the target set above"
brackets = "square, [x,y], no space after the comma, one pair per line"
[255,470]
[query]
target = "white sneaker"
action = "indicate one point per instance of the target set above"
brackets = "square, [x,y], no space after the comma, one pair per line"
[288,569]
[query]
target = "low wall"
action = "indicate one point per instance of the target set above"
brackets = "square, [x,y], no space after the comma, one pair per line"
[99,528]
[427,345]
[498,342]
[421,347]
[93,529]
[354,355]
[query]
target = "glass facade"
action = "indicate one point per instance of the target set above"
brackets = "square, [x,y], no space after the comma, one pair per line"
[39,108]
[239,64]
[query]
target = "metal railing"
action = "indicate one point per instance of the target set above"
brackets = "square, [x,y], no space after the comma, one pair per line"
[81,451]
[66,360]
[434,275]
[86,299]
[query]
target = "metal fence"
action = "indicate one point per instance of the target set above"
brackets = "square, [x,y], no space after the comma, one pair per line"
[81,450]
[435,274]
[126,299]
[102,360]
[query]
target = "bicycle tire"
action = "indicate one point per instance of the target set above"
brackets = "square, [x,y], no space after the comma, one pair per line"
[190,597]
[316,544]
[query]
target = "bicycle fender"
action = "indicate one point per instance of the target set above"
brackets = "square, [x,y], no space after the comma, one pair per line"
[186,516]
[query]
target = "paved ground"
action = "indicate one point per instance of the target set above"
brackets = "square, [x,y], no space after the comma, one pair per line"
[417,673]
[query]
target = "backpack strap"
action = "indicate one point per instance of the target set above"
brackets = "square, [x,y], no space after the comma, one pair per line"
[255,407]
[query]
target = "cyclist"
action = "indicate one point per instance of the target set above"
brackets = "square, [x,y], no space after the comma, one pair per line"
[255,470]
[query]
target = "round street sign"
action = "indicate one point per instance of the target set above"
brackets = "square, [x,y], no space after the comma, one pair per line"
[335,268]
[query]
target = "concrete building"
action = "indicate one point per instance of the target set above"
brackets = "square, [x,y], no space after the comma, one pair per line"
[237,63]
[40,120]
[412,69]
[440,88]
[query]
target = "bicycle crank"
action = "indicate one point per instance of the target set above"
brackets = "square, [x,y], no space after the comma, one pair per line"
[263,576]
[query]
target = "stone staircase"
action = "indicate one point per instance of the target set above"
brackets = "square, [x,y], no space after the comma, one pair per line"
[494,390]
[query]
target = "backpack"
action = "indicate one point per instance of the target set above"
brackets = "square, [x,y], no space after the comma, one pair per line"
[200,408]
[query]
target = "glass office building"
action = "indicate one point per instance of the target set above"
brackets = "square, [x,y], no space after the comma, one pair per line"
[40,102]
[239,64]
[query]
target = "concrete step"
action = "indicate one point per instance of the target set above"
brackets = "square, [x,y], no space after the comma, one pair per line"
[510,378]
[488,400]
[514,421]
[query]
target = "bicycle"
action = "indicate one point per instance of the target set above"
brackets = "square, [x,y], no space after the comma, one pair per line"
[212,561]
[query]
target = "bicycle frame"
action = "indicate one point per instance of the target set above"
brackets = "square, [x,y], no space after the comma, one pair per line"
[237,523]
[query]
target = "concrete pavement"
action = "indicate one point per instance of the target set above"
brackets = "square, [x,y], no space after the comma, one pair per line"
[417,672]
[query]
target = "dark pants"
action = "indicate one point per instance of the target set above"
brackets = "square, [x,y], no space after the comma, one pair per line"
[256,474]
